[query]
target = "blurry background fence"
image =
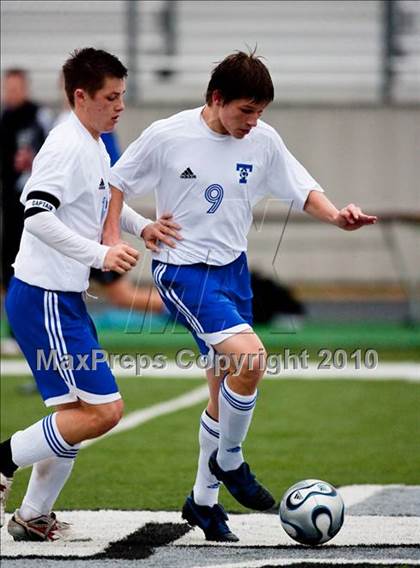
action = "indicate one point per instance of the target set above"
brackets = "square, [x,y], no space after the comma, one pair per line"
[318,51]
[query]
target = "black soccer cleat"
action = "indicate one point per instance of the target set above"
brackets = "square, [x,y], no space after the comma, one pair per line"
[211,520]
[242,485]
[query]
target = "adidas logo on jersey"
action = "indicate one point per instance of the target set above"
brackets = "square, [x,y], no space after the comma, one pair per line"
[102,184]
[188,174]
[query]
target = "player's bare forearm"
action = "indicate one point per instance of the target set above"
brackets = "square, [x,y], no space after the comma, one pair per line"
[111,232]
[349,218]
[319,206]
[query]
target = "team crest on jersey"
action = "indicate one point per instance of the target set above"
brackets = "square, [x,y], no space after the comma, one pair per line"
[244,171]
[101,184]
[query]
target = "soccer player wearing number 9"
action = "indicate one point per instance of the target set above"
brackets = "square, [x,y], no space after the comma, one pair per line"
[209,166]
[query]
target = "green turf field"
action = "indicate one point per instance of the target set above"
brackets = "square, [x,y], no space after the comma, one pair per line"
[343,431]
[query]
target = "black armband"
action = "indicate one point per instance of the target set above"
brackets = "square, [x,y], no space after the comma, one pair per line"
[39,201]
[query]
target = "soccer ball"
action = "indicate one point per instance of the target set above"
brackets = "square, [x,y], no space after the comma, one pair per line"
[312,511]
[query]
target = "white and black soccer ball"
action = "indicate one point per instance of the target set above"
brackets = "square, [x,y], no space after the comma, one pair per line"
[312,511]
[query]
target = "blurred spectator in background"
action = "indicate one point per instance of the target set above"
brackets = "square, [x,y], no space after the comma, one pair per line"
[24,125]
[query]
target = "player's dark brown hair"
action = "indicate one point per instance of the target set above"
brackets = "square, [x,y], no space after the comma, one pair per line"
[241,76]
[88,68]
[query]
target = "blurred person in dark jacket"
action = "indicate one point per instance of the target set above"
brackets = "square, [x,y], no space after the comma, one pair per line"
[24,125]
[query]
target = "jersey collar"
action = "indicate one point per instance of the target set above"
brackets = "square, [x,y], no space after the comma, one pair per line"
[75,119]
[209,132]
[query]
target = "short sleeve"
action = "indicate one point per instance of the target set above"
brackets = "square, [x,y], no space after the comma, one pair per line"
[286,178]
[137,171]
[53,171]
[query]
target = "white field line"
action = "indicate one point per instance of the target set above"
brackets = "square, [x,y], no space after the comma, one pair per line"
[384,371]
[354,494]
[92,531]
[138,417]
[265,530]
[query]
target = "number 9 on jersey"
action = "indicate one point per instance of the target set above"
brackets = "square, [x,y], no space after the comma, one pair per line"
[214,195]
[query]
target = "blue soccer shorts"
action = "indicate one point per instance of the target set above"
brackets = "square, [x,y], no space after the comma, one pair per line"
[213,302]
[59,340]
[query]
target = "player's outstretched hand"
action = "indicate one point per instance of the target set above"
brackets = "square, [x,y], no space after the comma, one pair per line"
[352,217]
[161,231]
[121,258]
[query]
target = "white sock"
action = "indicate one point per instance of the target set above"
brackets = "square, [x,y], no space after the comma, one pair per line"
[206,486]
[235,415]
[47,480]
[40,441]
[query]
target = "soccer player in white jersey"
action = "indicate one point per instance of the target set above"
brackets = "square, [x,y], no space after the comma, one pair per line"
[209,166]
[66,200]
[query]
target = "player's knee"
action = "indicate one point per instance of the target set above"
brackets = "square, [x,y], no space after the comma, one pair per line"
[251,376]
[113,415]
[105,417]
[253,369]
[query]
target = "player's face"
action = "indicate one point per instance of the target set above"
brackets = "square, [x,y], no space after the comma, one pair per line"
[103,109]
[240,116]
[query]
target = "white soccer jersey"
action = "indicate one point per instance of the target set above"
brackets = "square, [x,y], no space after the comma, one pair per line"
[209,182]
[74,168]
